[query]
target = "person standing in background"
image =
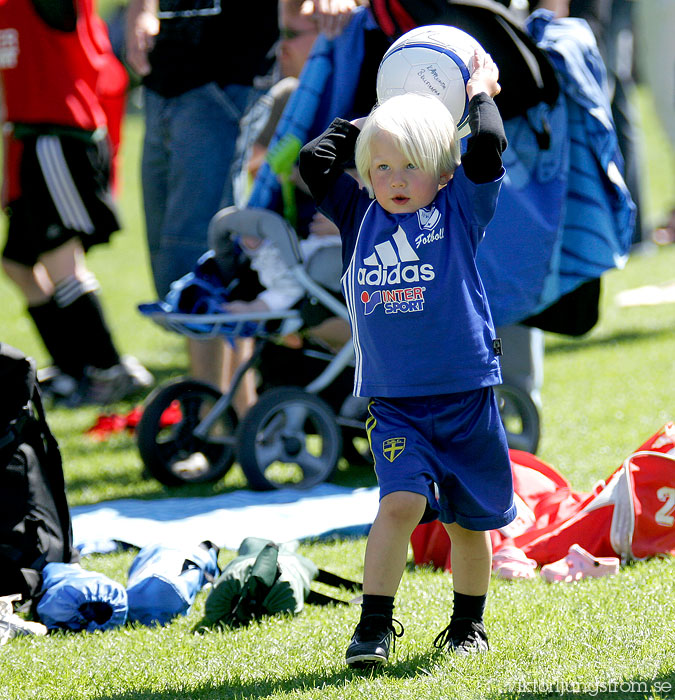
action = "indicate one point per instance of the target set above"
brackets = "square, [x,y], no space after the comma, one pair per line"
[199,62]
[63,97]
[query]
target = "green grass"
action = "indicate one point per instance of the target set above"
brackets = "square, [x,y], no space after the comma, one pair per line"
[604,394]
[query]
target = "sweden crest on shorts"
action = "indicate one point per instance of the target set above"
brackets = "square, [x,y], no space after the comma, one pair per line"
[392,447]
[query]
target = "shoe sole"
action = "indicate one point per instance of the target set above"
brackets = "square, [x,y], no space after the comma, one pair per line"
[366,661]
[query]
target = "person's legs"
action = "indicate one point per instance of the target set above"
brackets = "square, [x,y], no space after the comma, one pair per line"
[155,178]
[77,312]
[471,559]
[523,359]
[207,360]
[387,547]
[37,288]
[386,554]
[214,361]
[476,496]
[189,148]
[63,302]
[63,207]
[247,393]
[32,282]
[187,158]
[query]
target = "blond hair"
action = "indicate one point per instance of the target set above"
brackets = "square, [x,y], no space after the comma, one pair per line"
[423,129]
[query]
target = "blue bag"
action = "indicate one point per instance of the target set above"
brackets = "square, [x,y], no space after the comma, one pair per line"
[164,581]
[76,599]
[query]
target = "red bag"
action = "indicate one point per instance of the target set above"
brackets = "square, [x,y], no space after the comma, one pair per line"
[631,515]
[542,496]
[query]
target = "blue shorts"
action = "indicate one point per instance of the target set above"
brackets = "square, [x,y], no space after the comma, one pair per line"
[450,448]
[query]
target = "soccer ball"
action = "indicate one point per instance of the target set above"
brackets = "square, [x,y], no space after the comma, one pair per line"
[434,59]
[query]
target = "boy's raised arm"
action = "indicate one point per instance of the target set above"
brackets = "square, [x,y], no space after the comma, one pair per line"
[324,159]
[483,158]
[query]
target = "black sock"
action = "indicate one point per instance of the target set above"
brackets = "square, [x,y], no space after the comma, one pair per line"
[377,605]
[468,606]
[57,341]
[81,317]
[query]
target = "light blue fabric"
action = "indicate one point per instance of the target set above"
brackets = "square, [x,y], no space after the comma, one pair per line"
[600,214]
[322,512]
[76,599]
[164,580]
[348,51]
[187,160]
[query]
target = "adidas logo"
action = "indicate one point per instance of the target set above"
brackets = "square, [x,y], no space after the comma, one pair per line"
[387,265]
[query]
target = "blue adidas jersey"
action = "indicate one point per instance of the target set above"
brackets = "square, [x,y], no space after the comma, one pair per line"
[420,318]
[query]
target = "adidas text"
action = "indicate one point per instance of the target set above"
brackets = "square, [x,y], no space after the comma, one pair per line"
[381,276]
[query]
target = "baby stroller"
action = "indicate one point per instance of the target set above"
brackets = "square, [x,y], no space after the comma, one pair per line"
[294,434]
[306,417]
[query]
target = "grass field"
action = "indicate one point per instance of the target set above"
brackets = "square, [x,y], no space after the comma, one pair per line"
[604,394]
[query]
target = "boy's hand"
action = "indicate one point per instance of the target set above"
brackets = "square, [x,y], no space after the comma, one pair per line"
[484,76]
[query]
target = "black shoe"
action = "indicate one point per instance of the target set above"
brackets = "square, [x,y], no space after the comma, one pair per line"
[55,385]
[372,640]
[463,637]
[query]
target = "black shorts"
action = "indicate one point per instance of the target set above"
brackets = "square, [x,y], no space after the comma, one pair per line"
[64,191]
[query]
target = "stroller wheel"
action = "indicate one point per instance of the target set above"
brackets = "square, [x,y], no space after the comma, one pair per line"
[165,436]
[288,438]
[520,417]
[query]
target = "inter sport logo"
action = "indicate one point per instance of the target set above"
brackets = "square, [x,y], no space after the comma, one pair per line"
[370,301]
[395,300]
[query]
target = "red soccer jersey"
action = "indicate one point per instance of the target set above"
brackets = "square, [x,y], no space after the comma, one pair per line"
[56,77]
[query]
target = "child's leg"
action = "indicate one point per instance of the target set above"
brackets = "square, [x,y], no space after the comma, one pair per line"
[386,554]
[471,558]
[387,548]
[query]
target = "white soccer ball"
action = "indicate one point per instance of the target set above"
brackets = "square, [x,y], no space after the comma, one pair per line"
[434,59]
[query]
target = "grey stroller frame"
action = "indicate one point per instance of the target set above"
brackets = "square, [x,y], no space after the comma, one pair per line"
[290,437]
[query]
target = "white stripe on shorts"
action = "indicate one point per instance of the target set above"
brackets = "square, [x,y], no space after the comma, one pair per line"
[71,289]
[61,186]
